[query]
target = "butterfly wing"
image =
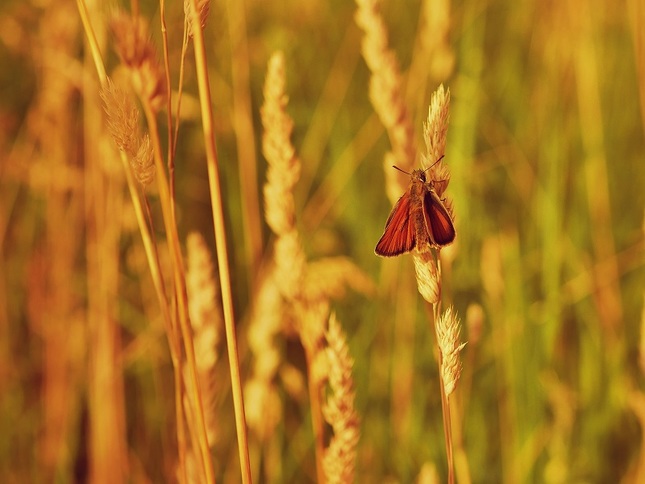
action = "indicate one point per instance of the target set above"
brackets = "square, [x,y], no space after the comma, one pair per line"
[437,219]
[398,236]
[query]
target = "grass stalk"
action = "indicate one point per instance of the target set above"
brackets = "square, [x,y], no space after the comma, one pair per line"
[220,241]
[152,258]
[180,288]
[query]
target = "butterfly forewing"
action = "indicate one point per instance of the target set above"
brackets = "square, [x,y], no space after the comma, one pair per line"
[437,218]
[398,236]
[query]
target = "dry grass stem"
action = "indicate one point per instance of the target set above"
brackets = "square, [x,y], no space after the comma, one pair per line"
[217,210]
[448,331]
[339,412]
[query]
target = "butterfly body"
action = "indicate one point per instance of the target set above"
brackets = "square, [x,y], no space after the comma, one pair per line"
[419,219]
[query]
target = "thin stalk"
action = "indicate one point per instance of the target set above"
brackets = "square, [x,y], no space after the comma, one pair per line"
[180,287]
[316,421]
[174,245]
[445,404]
[166,61]
[220,241]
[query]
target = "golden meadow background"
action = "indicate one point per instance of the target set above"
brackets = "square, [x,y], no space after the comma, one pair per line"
[545,147]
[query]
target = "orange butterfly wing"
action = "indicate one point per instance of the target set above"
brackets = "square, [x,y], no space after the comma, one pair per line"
[398,236]
[437,219]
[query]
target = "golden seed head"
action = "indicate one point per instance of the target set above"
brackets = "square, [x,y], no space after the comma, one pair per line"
[203,8]
[340,456]
[427,276]
[448,331]
[122,118]
[142,163]
[137,53]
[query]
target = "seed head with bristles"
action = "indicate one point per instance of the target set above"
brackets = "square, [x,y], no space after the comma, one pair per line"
[203,8]
[122,118]
[427,276]
[448,330]
[340,456]
[282,174]
[138,54]
[386,92]
[435,131]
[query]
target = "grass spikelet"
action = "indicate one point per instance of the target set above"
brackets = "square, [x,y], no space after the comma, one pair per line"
[206,322]
[203,8]
[339,412]
[264,407]
[435,129]
[122,118]
[448,331]
[282,174]
[386,92]
[284,164]
[123,126]
[138,54]
[143,163]
[427,277]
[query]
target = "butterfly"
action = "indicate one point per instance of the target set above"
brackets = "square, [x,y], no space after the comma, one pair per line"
[419,219]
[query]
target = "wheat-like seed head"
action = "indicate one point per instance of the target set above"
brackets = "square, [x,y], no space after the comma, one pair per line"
[340,456]
[143,163]
[138,54]
[123,126]
[386,93]
[427,276]
[282,174]
[122,118]
[203,8]
[448,331]
[435,131]
[262,401]
[206,321]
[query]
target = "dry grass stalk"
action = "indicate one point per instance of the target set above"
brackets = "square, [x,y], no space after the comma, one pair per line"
[448,331]
[428,268]
[386,95]
[339,412]
[217,210]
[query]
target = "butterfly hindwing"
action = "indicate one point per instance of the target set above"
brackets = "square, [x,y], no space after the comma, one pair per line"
[437,219]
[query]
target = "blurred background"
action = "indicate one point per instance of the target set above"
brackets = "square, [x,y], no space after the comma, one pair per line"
[545,148]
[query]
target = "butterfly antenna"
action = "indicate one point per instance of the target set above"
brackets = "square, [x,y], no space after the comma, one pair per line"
[402,171]
[440,158]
